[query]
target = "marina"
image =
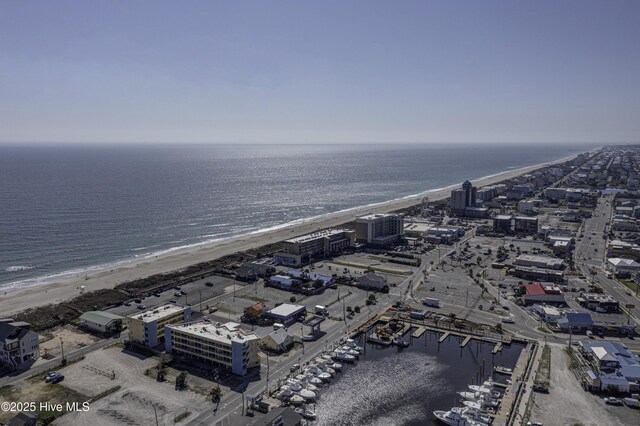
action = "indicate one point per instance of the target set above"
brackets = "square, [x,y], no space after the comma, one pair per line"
[364,379]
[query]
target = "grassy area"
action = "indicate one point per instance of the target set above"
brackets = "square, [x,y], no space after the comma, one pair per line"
[181,417]
[543,375]
[38,391]
[630,284]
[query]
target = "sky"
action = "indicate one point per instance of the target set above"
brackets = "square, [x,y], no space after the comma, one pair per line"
[319,71]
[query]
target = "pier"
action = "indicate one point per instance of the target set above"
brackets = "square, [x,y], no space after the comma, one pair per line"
[444,337]
[419,332]
[465,341]
[497,348]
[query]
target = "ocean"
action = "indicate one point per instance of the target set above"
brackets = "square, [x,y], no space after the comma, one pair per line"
[72,209]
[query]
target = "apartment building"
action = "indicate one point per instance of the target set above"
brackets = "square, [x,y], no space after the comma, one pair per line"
[223,345]
[379,229]
[147,328]
[320,243]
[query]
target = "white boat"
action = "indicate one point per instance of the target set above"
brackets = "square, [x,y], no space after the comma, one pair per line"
[336,366]
[344,357]
[294,385]
[350,351]
[352,344]
[296,400]
[454,418]
[307,413]
[284,394]
[481,389]
[307,394]
[330,371]
[325,377]
[310,386]
[315,381]
[473,415]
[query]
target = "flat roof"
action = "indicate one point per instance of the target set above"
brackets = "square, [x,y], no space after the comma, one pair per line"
[224,333]
[158,313]
[503,217]
[100,317]
[372,216]
[316,235]
[286,310]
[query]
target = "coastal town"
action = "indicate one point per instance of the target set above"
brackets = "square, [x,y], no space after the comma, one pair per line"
[543,264]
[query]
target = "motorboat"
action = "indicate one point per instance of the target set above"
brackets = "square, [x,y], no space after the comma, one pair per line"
[307,413]
[344,357]
[454,418]
[481,398]
[294,385]
[307,394]
[330,371]
[400,343]
[296,400]
[350,351]
[325,377]
[352,344]
[314,381]
[310,386]
[473,415]
[336,366]
[284,394]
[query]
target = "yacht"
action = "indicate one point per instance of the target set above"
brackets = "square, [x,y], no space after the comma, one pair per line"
[307,413]
[336,366]
[454,418]
[473,415]
[350,351]
[294,385]
[296,400]
[344,357]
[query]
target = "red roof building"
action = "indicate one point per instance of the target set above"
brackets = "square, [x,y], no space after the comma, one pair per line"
[542,293]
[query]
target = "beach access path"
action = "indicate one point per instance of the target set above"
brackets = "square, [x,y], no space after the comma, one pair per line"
[18,300]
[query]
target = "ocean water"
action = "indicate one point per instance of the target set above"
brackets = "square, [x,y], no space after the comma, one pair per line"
[70,209]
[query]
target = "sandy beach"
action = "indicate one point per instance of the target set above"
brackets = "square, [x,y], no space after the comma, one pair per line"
[17,300]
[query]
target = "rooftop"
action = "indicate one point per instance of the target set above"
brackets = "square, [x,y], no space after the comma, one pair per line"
[286,310]
[223,333]
[373,216]
[316,235]
[158,313]
[100,317]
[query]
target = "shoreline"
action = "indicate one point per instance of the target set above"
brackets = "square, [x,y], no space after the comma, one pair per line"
[14,300]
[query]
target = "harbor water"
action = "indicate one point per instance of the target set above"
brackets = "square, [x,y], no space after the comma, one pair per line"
[393,386]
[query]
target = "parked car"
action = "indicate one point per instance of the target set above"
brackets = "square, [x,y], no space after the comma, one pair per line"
[127,303]
[173,301]
[540,388]
[177,294]
[141,306]
[138,300]
[50,376]
[209,284]
[612,401]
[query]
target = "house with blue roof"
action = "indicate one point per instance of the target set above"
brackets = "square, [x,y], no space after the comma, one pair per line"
[576,322]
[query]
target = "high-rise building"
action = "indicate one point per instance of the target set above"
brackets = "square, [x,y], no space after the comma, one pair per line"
[379,229]
[463,198]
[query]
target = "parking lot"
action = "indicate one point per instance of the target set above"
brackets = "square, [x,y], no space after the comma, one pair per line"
[139,394]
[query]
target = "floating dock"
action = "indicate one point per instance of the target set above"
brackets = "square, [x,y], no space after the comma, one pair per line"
[497,348]
[465,341]
[419,332]
[444,337]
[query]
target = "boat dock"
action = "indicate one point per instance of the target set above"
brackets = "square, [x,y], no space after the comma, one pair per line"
[511,393]
[497,348]
[444,337]
[419,332]
[465,341]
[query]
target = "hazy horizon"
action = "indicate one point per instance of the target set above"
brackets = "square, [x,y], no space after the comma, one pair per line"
[333,72]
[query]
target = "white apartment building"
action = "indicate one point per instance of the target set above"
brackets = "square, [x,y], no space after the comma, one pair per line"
[225,345]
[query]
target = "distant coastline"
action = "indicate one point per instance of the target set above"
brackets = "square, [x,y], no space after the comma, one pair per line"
[61,287]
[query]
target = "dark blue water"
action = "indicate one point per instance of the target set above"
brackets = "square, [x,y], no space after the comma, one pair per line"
[75,208]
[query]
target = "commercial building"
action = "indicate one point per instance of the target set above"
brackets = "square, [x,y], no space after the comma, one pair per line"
[599,302]
[102,322]
[537,293]
[147,328]
[502,224]
[547,313]
[19,346]
[320,243]
[526,225]
[539,261]
[615,366]
[379,229]
[576,322]
[618,248]
[225,345]
[539,274]
[619,265]
[286,313]
[371,281]
[526,207]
